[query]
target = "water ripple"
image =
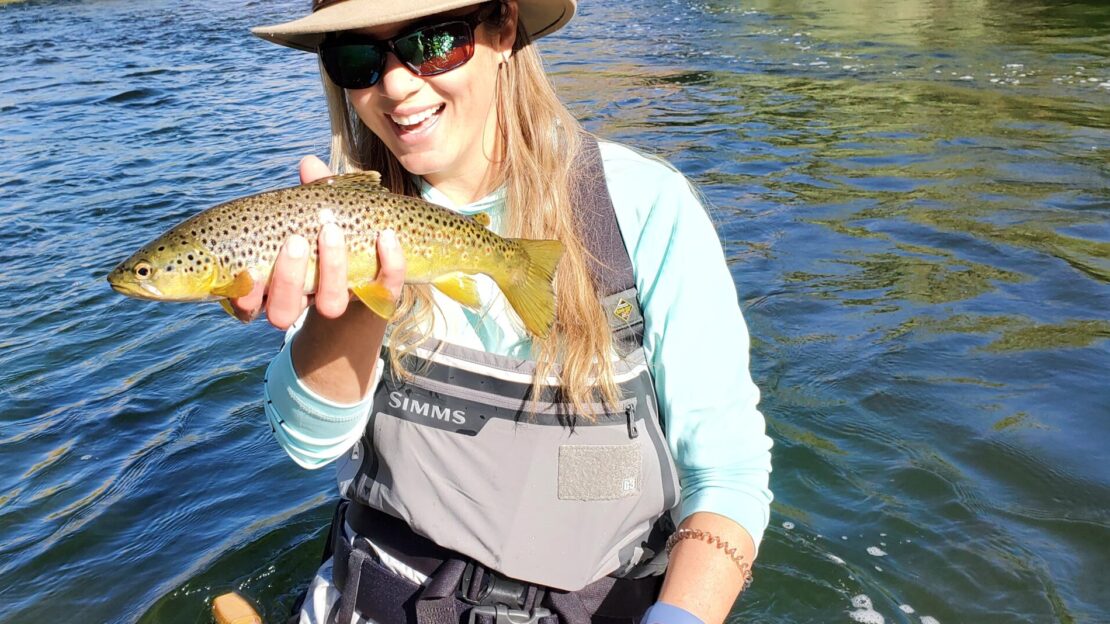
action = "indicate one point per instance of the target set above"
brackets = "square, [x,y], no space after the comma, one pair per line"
[914,209]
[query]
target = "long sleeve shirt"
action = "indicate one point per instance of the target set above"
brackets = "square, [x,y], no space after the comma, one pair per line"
[695,340]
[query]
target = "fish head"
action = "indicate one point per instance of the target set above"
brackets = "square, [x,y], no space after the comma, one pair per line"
[168,269]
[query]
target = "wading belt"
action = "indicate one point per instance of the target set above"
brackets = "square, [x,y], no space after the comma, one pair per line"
[459,590]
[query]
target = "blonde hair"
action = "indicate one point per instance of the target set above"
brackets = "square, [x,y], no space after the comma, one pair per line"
[538,139]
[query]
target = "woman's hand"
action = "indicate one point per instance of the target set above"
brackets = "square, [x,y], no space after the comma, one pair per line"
[284,299]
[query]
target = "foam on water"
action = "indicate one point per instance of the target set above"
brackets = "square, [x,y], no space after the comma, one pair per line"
[864,611]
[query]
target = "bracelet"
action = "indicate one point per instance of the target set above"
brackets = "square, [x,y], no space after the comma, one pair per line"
[730,552]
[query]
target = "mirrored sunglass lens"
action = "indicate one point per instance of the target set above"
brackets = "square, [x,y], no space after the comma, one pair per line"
[436,49]
[353,66]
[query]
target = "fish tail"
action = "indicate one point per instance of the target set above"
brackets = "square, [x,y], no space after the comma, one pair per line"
[531,292]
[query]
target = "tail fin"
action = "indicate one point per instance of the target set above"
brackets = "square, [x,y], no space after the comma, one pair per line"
[532,294]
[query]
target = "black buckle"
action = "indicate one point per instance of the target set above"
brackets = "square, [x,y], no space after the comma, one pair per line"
[504,615]
[494,589]
[499,597]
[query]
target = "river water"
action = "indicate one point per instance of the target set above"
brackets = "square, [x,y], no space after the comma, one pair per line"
[913,196]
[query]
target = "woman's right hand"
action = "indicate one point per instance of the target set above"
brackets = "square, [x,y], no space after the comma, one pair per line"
[284,300]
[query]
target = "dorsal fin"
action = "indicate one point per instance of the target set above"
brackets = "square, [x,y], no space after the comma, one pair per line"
[481,218]
[365,181]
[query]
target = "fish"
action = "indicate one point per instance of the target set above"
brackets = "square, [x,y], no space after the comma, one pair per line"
[213,255]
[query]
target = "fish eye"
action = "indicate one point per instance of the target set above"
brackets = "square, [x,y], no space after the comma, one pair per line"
[143,270]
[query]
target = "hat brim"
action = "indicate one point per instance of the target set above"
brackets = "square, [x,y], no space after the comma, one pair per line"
[540,17]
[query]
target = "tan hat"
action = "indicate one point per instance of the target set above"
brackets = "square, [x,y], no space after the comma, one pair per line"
[539,16]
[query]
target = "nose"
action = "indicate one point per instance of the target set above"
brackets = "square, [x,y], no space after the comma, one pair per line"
[397,82]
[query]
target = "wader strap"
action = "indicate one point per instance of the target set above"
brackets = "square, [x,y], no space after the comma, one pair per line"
[437,603]
[597,222]
[608,260]
[348,595]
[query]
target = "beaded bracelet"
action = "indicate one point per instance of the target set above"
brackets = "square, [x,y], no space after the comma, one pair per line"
[730,552]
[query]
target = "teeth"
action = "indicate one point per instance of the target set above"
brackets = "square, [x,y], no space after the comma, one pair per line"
[412,120]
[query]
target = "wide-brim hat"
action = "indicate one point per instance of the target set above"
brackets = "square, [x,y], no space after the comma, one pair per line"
[540,17]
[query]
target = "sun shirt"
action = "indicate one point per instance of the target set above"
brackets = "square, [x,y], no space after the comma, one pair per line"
[695,341]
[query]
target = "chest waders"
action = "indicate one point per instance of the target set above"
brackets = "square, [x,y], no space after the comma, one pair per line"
[518,511]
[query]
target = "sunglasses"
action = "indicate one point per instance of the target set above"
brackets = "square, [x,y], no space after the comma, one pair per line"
[355,61]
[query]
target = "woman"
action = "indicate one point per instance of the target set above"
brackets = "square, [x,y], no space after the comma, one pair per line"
[492,474]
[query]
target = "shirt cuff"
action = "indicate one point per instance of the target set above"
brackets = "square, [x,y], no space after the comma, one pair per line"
[312,429]
[663,613]
[750,511]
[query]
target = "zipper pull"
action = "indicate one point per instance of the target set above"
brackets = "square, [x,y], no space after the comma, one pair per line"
[630,417]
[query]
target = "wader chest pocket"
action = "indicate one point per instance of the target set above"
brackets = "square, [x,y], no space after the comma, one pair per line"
[599,471]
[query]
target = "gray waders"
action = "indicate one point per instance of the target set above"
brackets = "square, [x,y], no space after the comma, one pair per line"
[561,518]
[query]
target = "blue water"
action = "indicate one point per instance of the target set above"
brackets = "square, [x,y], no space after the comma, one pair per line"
[913,196]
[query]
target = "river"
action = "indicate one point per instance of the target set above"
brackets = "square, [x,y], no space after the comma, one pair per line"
[913,196]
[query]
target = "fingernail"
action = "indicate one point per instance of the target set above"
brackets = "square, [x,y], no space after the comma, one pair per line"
[387,238]
[297,247]
[332,236]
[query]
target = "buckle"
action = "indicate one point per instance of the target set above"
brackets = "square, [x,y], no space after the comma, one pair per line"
[498,597]
[493,590]
[504,615]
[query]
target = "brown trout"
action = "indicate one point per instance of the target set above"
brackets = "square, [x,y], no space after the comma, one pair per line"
[212,255]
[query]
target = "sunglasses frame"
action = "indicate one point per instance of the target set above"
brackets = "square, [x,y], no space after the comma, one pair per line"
[389,46]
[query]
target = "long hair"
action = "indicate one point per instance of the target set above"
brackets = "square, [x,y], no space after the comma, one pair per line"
[538,139]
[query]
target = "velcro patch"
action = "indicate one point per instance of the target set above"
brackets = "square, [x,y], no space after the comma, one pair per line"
[599,471]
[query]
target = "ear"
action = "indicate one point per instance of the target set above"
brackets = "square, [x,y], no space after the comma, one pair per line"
[506,35]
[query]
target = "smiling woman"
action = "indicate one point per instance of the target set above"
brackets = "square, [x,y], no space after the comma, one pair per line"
[601,434]
[912,200]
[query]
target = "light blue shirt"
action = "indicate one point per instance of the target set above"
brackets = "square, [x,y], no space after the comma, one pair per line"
[695,340]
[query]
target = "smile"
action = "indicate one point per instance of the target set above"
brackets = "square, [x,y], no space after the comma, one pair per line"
[413,121]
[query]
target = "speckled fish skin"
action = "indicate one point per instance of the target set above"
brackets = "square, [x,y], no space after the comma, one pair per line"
[213,254]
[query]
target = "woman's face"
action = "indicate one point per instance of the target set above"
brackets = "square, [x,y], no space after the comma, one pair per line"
[440,127]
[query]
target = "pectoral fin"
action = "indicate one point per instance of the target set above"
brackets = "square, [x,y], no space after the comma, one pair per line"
[226,305]
[241,286]
[377,298]
[460,287]
[481,218]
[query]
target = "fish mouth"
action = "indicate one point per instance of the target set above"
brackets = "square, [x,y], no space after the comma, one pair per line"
[138,291]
